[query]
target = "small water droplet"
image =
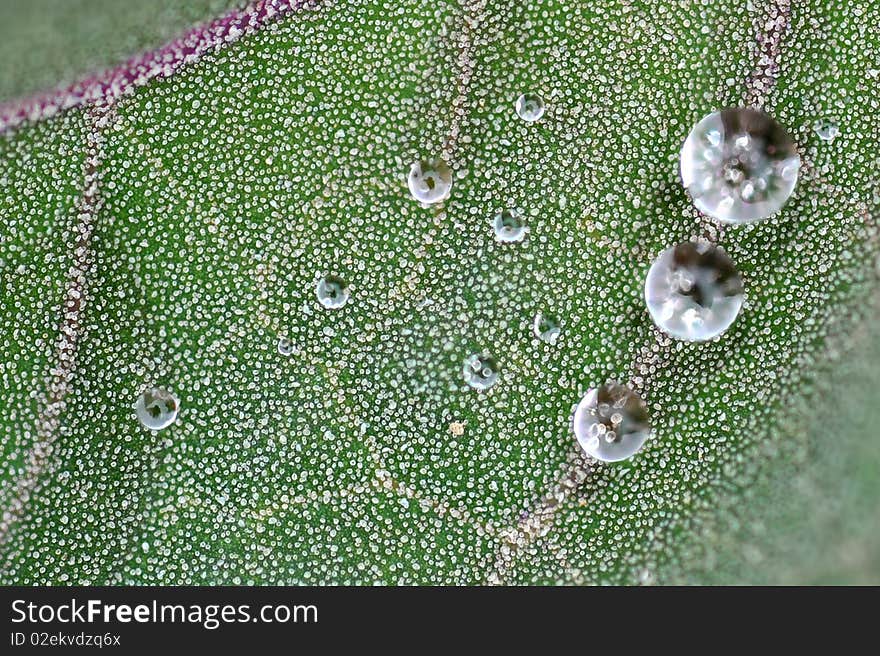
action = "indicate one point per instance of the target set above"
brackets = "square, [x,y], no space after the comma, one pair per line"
[430,180]
[156,408]
[596,431]
[826,130]
[332,292]
[546,328]
[693,291]
[509,226]
[480,371]
[739,165]
[530,107]
[285,346]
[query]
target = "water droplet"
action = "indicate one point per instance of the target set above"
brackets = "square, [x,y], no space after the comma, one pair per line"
[430,180]
[739,165]
[332,292]
[285,346]
[480,371]
[530,107]
[826,130]
[509,226]
[611,422]
[156,408]
[693,291]
[546,328]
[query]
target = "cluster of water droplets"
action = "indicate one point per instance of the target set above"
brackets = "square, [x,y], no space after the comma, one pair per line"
[270,178]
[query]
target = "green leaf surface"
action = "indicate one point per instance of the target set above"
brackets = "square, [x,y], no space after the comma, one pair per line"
[224,191]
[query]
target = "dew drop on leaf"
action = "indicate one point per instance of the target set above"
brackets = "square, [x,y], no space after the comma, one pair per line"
[739,165]
[480,371]
[157,408]
[530,107]
[285,346]
[332,292]
[826,130]
[546,328]
[509,226]
[693,291]
[611,422]
[430,180]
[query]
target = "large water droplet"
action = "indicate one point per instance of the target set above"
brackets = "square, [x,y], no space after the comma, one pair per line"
[826,130]
[611,422]
[430,180]
[480,371]
[739,165]
[332,292]
[530,107]
[546,328]
[156,408]
[509,226]
[693,291]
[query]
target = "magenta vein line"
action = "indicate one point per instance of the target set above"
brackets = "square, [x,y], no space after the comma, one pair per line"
[107,87]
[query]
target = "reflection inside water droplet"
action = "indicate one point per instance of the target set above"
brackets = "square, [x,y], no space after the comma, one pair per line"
[480,371]
[156,408]
[285,346]
[509,226]
[530,107]
[430,180]
[611,422]
[739,165]
[693,291]
[826,130]
[546,328]
[332,292]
